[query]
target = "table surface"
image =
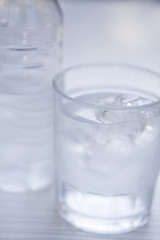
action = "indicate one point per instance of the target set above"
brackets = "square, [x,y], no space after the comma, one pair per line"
[33,216]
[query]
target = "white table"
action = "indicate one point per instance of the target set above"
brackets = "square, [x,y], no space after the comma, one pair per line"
[34,216]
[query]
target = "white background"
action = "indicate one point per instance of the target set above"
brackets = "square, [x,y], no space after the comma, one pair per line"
[89,35]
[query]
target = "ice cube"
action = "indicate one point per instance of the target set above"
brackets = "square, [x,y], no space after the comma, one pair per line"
[116,116]
[87,114]
[110,99]
[124,99]
[130,120]
[148,113]
[137,101]
[109,157]
[147,136]
[128,130]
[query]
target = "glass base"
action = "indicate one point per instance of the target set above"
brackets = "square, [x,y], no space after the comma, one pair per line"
[104,214]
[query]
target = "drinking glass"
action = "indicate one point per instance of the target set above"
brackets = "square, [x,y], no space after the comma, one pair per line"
[107,145]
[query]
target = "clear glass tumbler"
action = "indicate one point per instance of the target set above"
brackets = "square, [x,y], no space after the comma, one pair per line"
[107,136]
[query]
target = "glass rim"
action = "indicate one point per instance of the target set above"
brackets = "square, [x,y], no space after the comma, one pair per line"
[105,64]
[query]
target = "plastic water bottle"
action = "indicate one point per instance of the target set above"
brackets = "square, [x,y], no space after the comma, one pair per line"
[30,55]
